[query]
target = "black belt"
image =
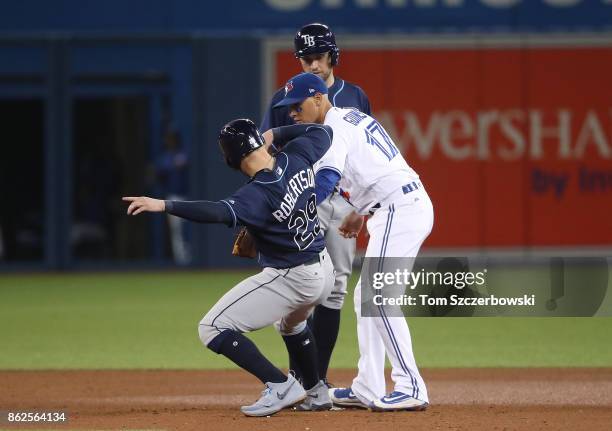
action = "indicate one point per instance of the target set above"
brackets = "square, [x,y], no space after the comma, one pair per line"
[374,208]
[316,259]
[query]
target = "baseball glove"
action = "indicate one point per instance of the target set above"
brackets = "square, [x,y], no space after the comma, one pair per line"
[244,245]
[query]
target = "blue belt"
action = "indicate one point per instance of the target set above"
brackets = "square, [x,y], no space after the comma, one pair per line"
[407,188]
[410,187]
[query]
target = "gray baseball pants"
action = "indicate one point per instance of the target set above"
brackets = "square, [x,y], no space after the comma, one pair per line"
[341,250]
[283,297]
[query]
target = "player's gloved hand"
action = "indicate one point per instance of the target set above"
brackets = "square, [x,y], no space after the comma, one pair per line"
[244,245]
[139,204]
[351,225]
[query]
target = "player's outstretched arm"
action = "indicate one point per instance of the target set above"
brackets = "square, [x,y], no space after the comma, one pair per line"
[139,204]
[198,211]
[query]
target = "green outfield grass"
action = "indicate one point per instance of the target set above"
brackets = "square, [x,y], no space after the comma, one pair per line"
[149,320]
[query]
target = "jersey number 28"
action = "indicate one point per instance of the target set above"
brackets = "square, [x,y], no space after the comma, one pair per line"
[301,221]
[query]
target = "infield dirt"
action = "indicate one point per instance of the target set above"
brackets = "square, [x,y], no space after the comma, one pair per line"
[470,399]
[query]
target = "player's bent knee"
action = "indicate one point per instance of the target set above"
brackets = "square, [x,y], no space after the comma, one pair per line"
[207,333]
[285,330]
[216,342]
[211,326]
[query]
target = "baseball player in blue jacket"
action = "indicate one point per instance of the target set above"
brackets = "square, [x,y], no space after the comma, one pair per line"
[316,49]
[278,208]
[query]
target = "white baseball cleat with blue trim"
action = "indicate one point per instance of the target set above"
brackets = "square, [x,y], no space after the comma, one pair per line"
[344,397]
[275,397]
[396,401]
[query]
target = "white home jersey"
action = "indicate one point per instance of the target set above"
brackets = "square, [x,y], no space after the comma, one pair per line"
[367,159]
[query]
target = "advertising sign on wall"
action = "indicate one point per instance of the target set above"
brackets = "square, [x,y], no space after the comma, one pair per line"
[514,144]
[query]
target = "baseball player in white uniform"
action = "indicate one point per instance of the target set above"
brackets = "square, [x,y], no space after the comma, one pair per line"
[376,180]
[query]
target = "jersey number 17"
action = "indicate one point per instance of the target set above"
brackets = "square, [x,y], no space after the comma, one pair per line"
[377,136]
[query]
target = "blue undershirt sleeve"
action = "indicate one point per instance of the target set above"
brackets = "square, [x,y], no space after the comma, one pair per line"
[325,181]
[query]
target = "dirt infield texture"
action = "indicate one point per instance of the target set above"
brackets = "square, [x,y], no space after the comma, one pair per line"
[462,399]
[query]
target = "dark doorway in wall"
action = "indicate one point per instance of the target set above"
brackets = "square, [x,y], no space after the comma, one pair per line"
[111,158]
[22,216]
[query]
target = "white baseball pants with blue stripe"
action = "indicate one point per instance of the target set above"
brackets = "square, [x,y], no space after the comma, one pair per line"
[396,230]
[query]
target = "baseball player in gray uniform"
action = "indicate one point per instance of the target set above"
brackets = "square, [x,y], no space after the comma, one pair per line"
[278,208]
[315,47]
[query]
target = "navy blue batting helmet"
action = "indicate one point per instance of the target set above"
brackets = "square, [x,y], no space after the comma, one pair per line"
[316,38]
[238,139]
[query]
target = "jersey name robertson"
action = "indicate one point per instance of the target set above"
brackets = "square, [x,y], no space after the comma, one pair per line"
[300,182]
[363,153]
[278,206]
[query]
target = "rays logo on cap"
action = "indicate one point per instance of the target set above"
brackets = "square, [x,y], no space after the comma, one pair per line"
[288,87]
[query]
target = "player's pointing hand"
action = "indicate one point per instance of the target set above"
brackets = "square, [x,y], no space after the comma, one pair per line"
[143,203]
